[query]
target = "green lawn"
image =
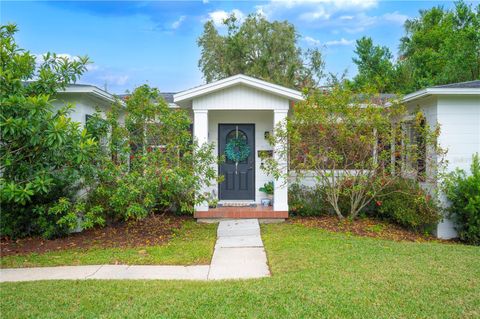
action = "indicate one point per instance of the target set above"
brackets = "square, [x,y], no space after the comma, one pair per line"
[315,274]
[191,244]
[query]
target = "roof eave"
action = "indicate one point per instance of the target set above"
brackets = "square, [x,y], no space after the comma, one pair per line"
[440,91]
[186,96]
[93,91]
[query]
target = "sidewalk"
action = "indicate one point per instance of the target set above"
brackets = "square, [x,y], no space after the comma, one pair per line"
[239,254]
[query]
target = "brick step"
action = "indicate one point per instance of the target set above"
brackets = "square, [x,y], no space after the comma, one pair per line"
[242,212]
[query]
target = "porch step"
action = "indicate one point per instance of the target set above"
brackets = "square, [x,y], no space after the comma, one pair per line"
[260,212]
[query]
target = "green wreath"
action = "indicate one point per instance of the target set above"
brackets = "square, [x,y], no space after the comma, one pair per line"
[237,150]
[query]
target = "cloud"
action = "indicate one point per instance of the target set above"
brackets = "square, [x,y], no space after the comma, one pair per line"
[176,24]
[205,1]
[114,79]
[315,42]
[92,67]
[320,13]
[395,17]
[342,41]
[311,41]
[311,10]
[220,15]
[40,57]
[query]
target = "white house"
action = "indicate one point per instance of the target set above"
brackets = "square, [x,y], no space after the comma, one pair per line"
[246,110]
[86,99]
[243,109]
[456,108]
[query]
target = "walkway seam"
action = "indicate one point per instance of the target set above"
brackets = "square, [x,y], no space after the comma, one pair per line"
[91,275]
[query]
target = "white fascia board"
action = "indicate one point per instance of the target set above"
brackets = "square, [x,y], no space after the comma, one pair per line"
[440,91]
[238,79]
[94,91]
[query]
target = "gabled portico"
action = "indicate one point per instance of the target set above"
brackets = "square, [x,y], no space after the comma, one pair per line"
[243,109]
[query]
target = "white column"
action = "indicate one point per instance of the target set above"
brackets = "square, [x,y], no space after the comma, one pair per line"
[280,192]
[200,133]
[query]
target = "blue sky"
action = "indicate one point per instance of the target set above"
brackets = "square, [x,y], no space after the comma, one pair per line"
[138,42]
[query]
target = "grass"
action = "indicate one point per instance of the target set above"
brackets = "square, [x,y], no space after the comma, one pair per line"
[315,274]
[191,244]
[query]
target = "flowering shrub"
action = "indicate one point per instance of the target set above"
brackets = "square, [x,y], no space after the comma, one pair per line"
[352,147]
[151,164]
[405,203]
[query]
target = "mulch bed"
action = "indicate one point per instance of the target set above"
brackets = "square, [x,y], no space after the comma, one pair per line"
[151,231]
[366,227]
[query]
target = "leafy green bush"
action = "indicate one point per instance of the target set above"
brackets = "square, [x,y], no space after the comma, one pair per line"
[150,165]
[463,192]
[267,188]
[405,203]
[57,178]
[307,201]
[44,155]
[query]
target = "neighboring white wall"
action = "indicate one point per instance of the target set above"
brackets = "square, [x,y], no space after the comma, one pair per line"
[459,120]
[459,117]
[84,105]
[240,97]
[263,121]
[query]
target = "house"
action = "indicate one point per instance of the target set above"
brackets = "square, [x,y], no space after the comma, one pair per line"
[233,112]
[243,111]
[87,99]
[456,108]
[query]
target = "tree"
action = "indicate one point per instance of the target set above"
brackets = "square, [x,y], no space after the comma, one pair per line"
[354,149]
[43,153]
[258,48]
[442,46]
[375,66]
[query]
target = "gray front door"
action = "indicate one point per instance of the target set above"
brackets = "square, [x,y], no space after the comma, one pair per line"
[239,177]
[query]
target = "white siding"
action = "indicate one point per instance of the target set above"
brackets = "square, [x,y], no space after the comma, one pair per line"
[263,121]
[459,117]
[240,97]
[84,105]
[459,120]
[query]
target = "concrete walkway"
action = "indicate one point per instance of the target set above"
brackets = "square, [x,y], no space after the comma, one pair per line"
[239,254]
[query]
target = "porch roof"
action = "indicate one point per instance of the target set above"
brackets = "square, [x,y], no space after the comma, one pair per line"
[185,98]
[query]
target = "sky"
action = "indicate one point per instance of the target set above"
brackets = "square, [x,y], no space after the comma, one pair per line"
[155,42]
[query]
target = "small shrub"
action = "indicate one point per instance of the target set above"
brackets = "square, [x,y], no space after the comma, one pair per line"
[267,188]
[307,201]
[463,192]
[405,203]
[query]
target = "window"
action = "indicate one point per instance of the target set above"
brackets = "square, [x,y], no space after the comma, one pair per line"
[87,118]
[415,141]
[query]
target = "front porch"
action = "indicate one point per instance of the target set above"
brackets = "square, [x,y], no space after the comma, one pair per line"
[244,110]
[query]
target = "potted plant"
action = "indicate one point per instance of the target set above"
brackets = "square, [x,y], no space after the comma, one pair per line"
[267,188]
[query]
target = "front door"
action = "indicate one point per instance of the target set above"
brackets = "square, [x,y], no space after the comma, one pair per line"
[237,143]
